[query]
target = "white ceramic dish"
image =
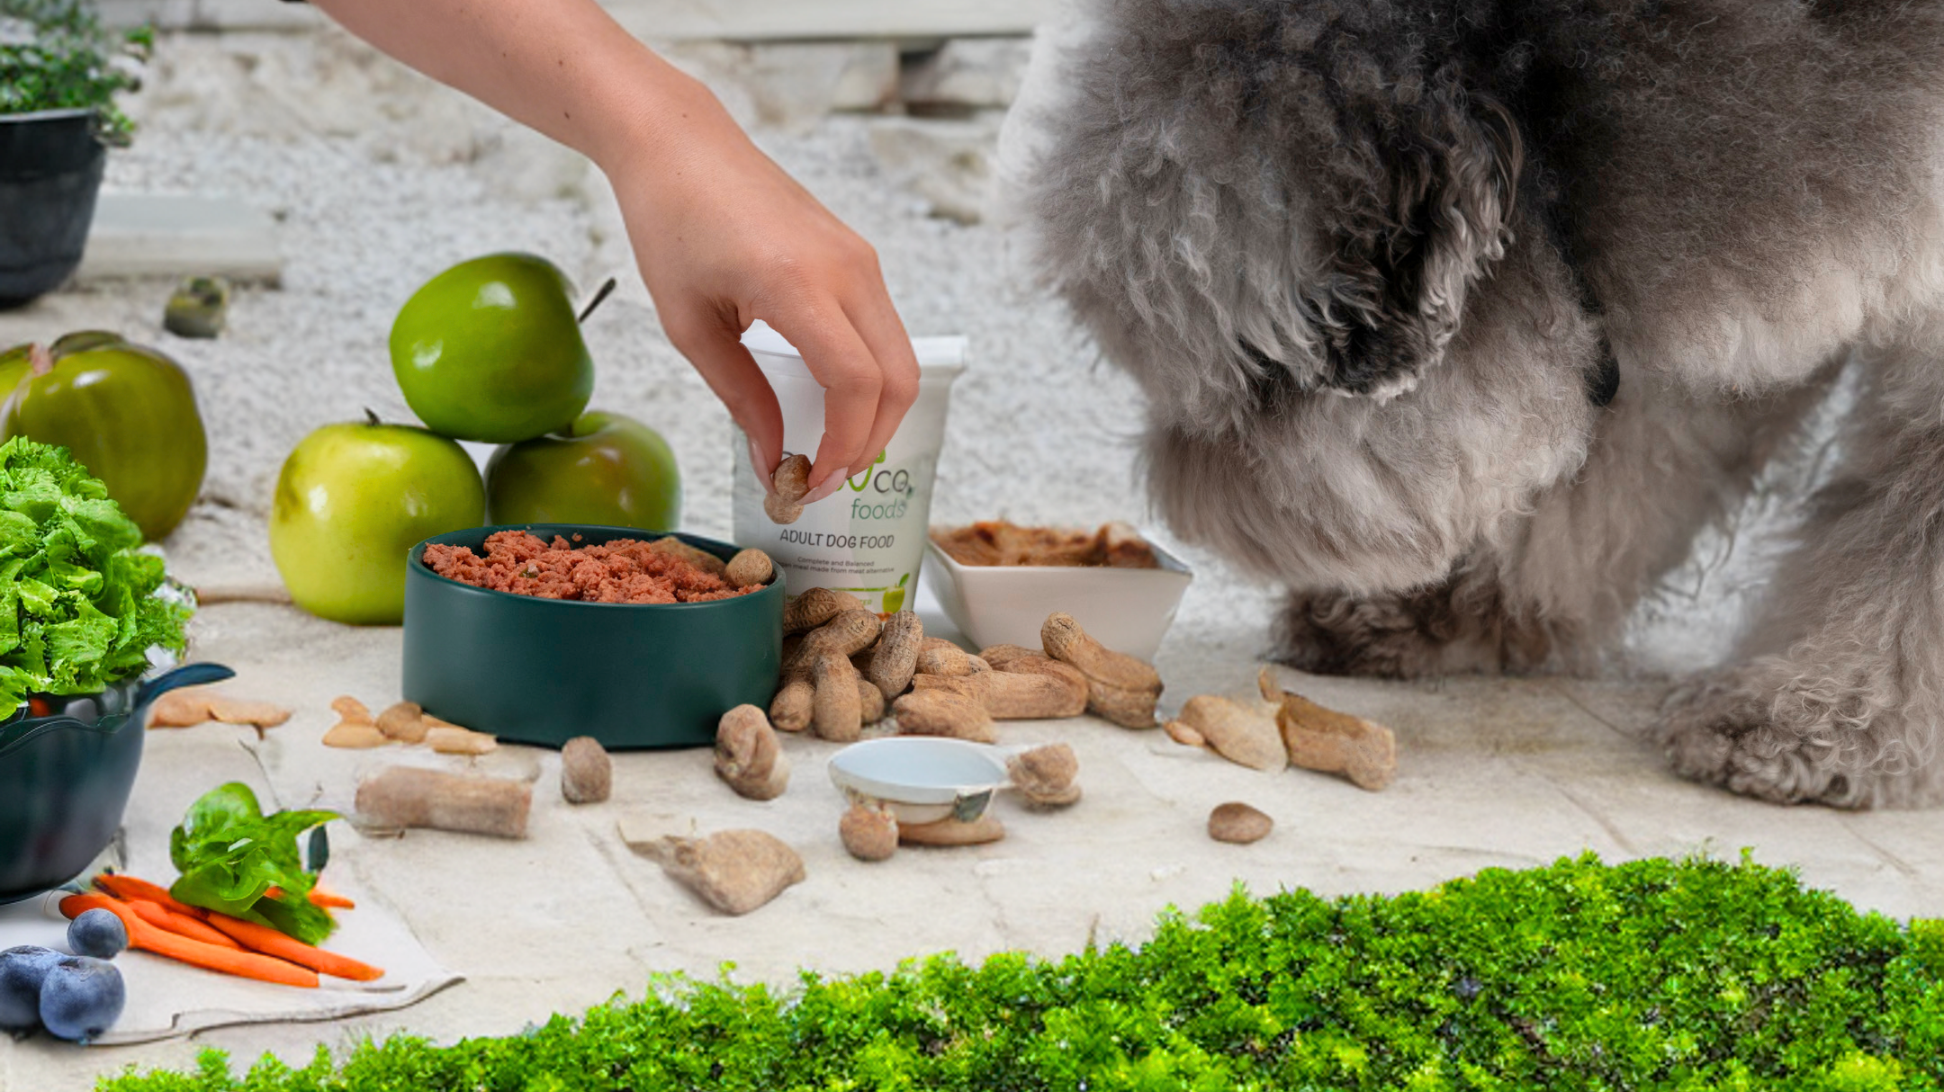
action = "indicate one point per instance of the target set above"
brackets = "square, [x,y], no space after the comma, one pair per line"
[923,778]
[1128,610]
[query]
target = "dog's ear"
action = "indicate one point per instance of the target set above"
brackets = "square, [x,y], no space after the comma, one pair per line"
[1415,210]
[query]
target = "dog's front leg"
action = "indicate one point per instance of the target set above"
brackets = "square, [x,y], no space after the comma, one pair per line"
[1549,588]
[1837,692]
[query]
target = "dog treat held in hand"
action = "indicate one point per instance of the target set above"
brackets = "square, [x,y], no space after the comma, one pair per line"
[815,607]
[1119,687]
[450,740]
[953,832]
[403,721]
[749,568]
[895,657]
[734,871]
[1044,775]
[1331,742]
[943,713]
[586,771]
[1245,736]
[792,484]
[748,755]
[1238,823]
[870,834]
[794,705]
[357,734]
[410,796]
[836,709]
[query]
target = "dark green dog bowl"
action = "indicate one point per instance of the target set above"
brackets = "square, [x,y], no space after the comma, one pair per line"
[632,675]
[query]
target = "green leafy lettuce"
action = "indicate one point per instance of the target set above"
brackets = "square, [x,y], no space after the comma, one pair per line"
[78,608]
[230,855]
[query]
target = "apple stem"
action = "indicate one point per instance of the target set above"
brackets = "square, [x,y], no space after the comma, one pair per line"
[40,360]
[600,295]
[371,418]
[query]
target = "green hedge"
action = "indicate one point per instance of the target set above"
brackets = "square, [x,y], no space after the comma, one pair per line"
[1647,975]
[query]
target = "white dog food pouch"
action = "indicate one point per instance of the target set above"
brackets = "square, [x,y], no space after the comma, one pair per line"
[868,537]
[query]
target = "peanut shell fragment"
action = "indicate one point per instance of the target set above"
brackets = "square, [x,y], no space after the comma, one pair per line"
[350,708]
[1045,775]
[895,658]
[448,740]
[409,796]
[586,771]
[748,756]
[1245,736]
[1327,741]
[734,871]
[694,555]
[353,734]
[869,833]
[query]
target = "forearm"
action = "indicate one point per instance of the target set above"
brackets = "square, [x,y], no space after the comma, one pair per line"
[563,67]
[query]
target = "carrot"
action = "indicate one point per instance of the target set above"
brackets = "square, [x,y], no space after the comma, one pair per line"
[128,889]
[331,900]
[264,939]
[163,943]
[181,925]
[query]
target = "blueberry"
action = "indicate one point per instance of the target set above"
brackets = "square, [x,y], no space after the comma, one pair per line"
[98,933]
[21,972]
[81,998]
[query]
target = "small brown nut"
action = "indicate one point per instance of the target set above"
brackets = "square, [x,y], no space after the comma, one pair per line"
[836,710]
[748,755]
[734,871]
[1127,708]
[696,556]
[750,568]
[794,705]
[1184,735]
[1045,775]
[460,741]
[586,771]
[792,484]
[351,733]
[846,634]
[870,834]
[351,709]
[943,713]
[953,832]
[403,721]
[1238,823]
[870,701]
[949,659]
[895,657]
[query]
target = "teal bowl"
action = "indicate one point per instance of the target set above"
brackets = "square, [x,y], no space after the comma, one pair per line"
[542,671]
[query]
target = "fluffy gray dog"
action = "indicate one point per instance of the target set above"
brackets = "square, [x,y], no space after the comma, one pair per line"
[1463,317]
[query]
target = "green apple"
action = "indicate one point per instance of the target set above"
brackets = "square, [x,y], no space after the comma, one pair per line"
[126,412]
[605,469]
[352,501]
[490,350]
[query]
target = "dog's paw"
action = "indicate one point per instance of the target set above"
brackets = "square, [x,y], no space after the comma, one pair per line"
[1734,728]
[1333,633]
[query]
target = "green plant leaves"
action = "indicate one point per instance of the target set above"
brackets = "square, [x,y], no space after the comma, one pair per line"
[78,608]
[230,855]
[66,59]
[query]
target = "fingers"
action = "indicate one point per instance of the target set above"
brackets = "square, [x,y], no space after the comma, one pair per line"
[713,344]
[877,322]
[852,380]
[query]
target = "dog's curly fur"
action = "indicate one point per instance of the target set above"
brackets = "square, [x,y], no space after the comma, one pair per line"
[1374,262]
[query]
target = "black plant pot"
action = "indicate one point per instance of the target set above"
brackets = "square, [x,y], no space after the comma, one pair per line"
[50,172]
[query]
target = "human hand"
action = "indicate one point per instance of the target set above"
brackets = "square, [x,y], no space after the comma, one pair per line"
[724,237]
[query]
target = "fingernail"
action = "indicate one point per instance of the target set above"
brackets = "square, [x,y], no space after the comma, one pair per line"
[829,485]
